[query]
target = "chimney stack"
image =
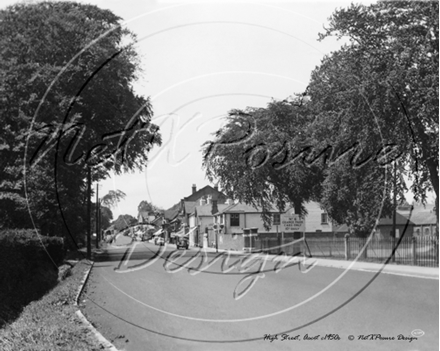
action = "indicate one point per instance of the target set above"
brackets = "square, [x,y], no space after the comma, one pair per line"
[216,186]
[214,208]
[194,188]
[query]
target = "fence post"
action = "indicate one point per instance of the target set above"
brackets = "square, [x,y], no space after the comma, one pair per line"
[347,247]
[330,246]
[414,251]
[393,248]
[364,243]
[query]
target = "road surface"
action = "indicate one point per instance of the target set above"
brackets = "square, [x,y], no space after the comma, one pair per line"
[146,297]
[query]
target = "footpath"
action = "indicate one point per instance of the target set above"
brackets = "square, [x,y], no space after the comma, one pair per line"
[390,268]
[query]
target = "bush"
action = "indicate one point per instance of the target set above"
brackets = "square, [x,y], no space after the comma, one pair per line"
[29,268]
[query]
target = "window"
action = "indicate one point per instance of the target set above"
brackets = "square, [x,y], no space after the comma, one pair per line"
[235,220]
[324,218]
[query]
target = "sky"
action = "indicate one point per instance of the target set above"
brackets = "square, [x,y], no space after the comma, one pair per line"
[202,59]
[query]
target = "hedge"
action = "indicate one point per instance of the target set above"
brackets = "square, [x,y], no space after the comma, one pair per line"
[27,271]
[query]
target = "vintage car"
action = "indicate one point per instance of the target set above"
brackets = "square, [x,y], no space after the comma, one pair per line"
[182,242]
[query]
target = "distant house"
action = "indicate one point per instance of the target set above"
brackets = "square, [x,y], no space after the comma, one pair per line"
[385,226]
[145,217]
[172,213]
[422,216]
[182,213]
[207,195]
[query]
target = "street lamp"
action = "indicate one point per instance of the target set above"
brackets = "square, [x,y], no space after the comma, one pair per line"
[98,216]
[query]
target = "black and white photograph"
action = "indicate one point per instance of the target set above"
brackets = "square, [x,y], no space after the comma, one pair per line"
[219,175]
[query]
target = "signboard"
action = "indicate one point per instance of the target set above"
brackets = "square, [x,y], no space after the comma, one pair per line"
[292,223]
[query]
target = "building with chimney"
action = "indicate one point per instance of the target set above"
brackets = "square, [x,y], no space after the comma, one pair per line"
[180,213]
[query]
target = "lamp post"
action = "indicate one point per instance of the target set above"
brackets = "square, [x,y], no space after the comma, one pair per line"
[98,215]
[88,217]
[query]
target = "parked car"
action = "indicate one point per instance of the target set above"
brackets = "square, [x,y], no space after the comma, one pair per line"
[182,242]
[159,241]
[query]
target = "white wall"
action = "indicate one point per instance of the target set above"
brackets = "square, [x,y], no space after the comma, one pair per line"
[313,218]
[254,220]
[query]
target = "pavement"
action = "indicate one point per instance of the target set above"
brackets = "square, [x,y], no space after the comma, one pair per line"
[140,301]
[390,268]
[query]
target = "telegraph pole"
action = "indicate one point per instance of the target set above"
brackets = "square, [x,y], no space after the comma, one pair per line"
[97,215]
[88,217]
[393,237]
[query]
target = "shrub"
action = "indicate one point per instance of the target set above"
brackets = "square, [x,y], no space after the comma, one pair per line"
[29,268]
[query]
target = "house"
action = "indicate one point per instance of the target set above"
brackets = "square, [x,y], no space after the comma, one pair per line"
[422,216]
[205,196]
[179,215]
[230,223]
[384,227]
[203,218]
[145,217]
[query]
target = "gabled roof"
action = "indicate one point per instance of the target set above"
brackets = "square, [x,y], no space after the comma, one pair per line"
[143,216]
[400,220]
[172,212]
[205,190]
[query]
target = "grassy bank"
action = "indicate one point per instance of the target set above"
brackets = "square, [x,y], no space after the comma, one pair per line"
[50,323]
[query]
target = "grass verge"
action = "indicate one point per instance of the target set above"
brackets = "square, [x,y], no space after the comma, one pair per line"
[50,323]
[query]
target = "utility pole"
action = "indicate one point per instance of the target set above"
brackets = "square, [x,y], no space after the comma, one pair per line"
[97,215]
[88,217]
[393,237]
[216,238]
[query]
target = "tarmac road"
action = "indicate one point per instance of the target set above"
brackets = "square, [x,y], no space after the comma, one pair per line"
[141,300]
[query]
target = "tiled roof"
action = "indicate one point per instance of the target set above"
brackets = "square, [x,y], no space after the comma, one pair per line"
[189,206]
[206,189]
[400,220]
[421,215]
[172,212]
[205,210]
[241,207]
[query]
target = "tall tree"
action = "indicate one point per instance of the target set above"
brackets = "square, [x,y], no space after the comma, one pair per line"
[276,156]
[124,221]
[258,157]
[383,86]
[145,206]
[112,198]
[67,104]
